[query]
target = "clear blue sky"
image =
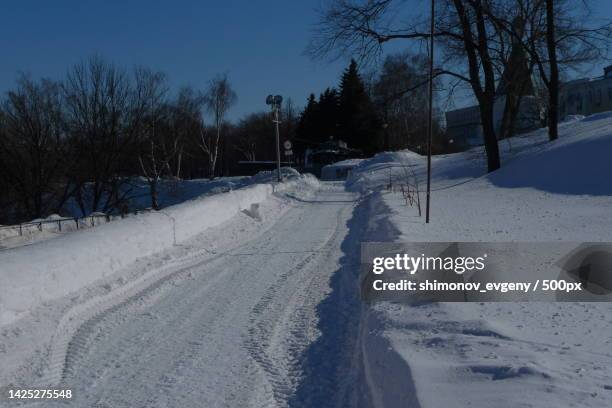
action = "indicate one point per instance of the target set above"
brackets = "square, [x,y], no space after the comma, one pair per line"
[259,43]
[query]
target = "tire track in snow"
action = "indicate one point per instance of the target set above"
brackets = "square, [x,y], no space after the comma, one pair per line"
[72,335]
[283,323]
[265,307]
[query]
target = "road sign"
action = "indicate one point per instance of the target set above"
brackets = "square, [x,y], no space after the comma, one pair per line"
[287,145]
[288,153]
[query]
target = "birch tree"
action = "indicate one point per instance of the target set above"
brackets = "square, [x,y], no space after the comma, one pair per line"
[219,98]
[158,146]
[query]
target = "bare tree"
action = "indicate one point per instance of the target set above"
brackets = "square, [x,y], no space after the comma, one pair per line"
[84,139]
[252,137]
[102,133]
[463,26]
[472,31]
[400,92]
[184,123]
[556,37]
[219,97]
[478,38]
[33,160]
[553,80]
[158,145]
[289,119]
[514,68]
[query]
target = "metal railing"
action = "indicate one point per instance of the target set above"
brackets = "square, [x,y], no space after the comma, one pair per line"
[60,223]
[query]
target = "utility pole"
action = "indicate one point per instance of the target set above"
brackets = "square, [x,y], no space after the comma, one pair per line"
[275,103]
[430,113]
[280,178]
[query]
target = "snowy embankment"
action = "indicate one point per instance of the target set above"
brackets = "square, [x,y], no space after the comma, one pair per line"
[340,170]
[54,268]
[136,192]
[495,354]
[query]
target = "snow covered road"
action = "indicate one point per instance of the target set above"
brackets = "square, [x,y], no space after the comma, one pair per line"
[244,328]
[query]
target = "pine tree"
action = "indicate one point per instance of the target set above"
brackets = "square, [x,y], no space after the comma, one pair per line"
[307,119]
[307,126]
[328,114]
[319,119]
[358,120]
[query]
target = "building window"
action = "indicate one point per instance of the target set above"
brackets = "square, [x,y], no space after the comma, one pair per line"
[599,98]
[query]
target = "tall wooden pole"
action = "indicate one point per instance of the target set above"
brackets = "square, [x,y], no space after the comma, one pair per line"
[430,113]
[278,165]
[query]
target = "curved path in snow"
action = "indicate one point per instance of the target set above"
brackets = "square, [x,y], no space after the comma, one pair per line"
[272,323]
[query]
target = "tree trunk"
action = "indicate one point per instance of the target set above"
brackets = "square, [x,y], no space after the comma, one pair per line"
[505,130]
[215,154]
[490,138]
[178,164]
[478,56]
[553,89]
[512,109]
[154,194]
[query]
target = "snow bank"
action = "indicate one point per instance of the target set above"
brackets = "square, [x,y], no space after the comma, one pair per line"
[377,171]
[46,228]
[51,269]
[497,354]
[171,192]
[340,170]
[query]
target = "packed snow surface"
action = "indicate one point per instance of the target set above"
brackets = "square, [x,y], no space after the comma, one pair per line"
[253,312]
[497,354]
[54,268]
[251,297]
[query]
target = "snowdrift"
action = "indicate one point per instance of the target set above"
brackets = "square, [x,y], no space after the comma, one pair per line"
[539,354]
[582,167]
[340,170]
[171,192]
[51,269]
[578,163]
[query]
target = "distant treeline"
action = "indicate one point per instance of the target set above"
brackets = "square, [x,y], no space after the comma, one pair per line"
[385,111]
[82,138]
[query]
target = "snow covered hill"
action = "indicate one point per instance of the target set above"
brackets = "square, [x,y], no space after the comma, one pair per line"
[252,297]
[496,354]
[54,268]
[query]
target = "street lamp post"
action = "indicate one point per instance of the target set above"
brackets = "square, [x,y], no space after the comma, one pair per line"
[430,113]
[275,104]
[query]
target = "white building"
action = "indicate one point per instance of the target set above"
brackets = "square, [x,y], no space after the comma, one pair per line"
[586,96]
[464,128]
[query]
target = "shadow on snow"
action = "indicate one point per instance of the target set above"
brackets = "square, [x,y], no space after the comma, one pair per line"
[329,363]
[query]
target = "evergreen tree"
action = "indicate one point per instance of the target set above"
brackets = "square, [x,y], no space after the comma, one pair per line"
[328,115]
[307,126]
[359,124]
[318,121]
[347,115]
[308,119]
